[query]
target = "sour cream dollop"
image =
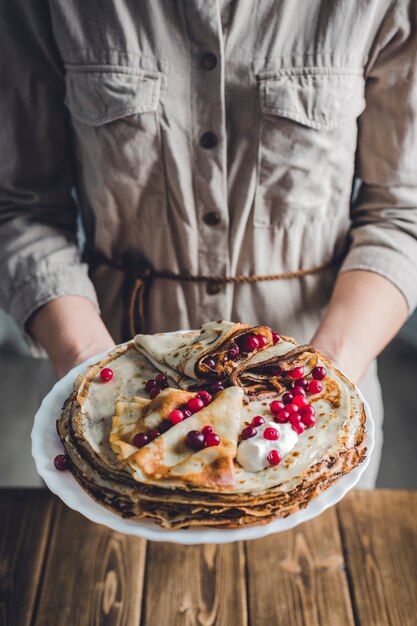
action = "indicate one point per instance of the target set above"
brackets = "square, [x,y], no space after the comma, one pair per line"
[252,454]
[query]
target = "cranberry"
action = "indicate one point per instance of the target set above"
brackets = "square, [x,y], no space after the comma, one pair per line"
[271,434]
[297,372]
[249,343]
[274,457]
[140,440]
[187,413]
[176,416]
[262,340]
[287,397]
[161,379]
[300,401]
[233,353]
[298,390]
[195,404]
[301,382]
[308,420]
[153,434]
[207,430]
[106,374]
[319,372]
[307,410]
[298,427]
[150,384]
[164,426]
[315,386]
[61,462]
[154,392]
[216,387]
[205,397]
[276,371]
[291,408]
[209,362]
[295,418]
[276,406]
[275,337]
[212,440]
[258,420]
[195,440]
[248,432]
[282,417]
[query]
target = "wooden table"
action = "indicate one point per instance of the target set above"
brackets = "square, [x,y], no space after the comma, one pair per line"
[355,564]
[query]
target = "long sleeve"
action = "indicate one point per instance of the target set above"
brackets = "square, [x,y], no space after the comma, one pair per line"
[384,215]
[39,257]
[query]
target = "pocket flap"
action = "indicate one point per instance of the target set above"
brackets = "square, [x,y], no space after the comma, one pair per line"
[318,99]
[96,97]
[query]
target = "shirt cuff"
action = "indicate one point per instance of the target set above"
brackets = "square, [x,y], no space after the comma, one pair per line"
[390,264]
[41,288]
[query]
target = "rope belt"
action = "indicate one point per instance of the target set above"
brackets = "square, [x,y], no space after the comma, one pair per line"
[143,279]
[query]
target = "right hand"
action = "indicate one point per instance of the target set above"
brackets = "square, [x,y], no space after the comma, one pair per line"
[71,330]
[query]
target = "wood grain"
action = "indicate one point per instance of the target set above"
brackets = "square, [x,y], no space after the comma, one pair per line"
[298,578]
[93,576]
[195,585]
[59,569]
[379,531]
[25,518]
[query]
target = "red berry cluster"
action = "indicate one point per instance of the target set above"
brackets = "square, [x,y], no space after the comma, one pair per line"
[271,434]
[251,342]
[199,439]
[294,406]
[155,385]
[231,355]
[202,399]
[250,431]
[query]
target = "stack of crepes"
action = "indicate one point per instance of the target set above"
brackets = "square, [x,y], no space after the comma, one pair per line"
[226,485]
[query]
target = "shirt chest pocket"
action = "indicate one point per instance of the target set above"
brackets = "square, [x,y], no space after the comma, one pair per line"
[307,142]
[116,123]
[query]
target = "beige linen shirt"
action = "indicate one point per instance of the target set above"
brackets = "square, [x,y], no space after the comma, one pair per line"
[206,154]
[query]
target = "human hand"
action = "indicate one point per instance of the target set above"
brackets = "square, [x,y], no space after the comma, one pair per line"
[365,312]
[71,330]
[343,362]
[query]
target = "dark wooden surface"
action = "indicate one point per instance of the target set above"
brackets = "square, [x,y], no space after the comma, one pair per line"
[356,564]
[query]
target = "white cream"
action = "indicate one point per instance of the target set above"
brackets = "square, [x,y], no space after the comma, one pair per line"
[252,454]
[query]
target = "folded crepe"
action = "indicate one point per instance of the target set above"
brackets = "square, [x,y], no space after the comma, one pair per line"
[167,456]
[264,374]
[177,487]
[211,354]
[142,415]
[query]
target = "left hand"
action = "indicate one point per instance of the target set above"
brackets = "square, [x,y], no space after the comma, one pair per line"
[366,310]
[343,362]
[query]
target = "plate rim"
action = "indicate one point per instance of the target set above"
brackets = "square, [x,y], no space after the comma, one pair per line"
[58,482]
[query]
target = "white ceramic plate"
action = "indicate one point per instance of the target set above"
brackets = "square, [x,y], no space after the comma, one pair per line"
[46,445]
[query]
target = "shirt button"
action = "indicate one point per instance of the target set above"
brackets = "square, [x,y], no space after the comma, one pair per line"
[212,218]
[213,289]
[208,140]
[208,61]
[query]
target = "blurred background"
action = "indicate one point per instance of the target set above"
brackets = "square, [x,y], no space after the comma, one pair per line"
[24,381]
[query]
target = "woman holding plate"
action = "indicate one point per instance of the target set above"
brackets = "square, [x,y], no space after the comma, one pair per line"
[210,150]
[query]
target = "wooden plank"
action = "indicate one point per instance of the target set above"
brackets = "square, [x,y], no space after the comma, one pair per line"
[298,578]
[379,531]
[93,575]
[25,518]
[195,585]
